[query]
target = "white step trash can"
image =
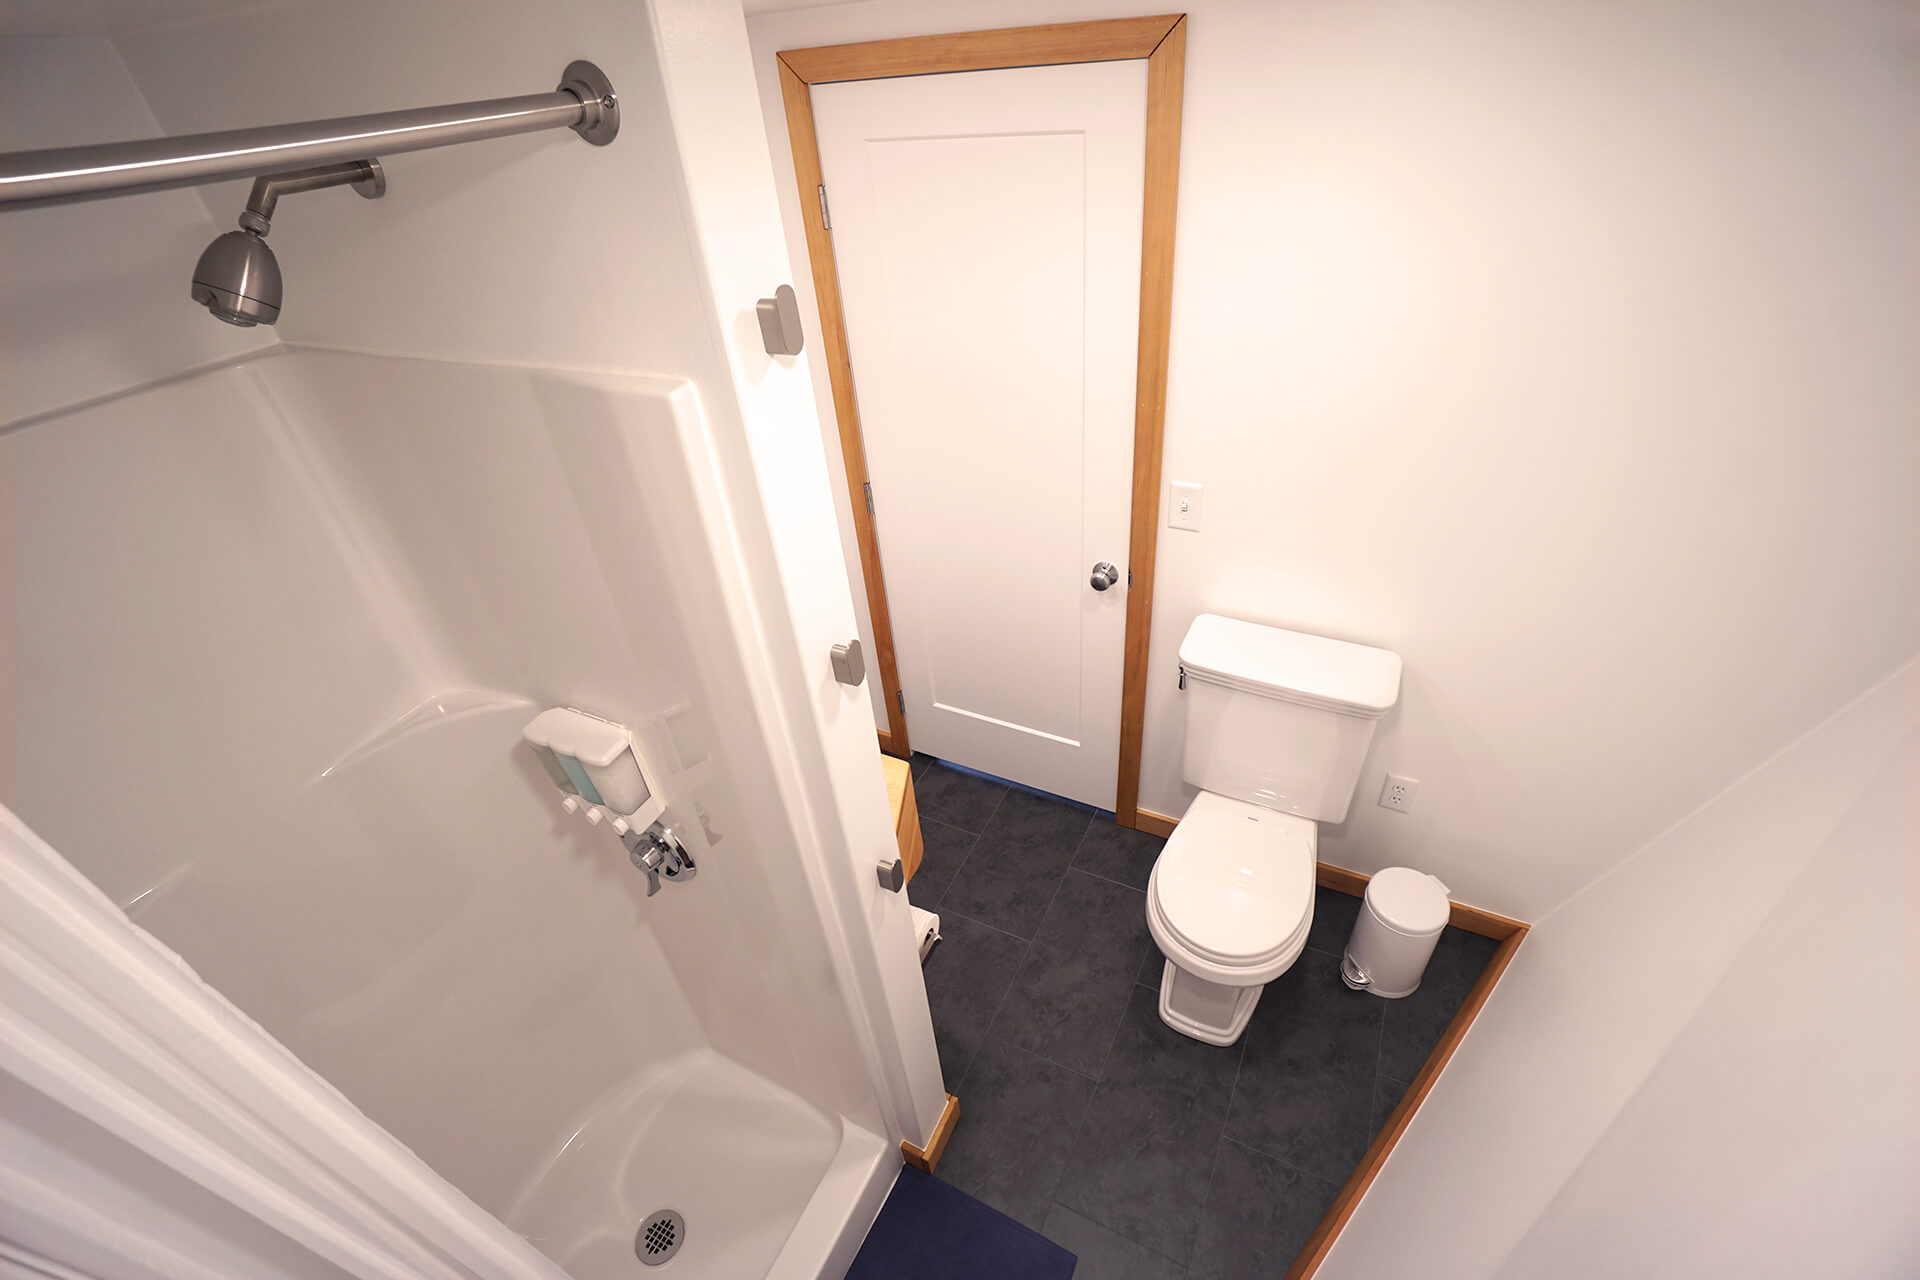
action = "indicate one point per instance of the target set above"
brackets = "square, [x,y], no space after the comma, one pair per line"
[1400,922]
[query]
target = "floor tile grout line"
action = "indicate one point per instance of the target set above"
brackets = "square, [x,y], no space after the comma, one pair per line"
[1053,1197]
[1052,1191]
[971,850]
[1053,897]
[1100,1077]
[1026,949]
[1138,1244]
[1233,1092]
[1201,1208]
[985,823]
[1379,1056]
[952,879]
[1097,876]
[1026,944]
[1283,1161]
[1213,1171]
[1005,933]
[1035,1053]
[1094,1080]
[1024,957]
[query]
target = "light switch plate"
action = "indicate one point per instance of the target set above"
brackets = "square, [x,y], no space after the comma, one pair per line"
[1183,505]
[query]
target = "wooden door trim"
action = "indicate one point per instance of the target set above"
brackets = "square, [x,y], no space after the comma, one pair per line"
[833,345]
[1162,41]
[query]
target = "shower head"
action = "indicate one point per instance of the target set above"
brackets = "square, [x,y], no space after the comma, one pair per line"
[237,278]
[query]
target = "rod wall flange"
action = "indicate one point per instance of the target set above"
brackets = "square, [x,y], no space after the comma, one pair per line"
[600,121]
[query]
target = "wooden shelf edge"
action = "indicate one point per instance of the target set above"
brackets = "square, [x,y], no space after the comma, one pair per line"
[928,1160]
[1321,1242]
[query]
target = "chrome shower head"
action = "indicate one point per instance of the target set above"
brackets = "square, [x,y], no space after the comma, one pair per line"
[238,279]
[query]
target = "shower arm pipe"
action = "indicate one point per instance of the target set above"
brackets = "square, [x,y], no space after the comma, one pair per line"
[365,176]
[584,102]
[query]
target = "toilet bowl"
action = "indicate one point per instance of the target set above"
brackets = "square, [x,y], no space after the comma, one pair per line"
[1278,726]
[1229,904]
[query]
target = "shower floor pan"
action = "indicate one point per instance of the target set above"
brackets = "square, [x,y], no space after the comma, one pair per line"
[740,1159]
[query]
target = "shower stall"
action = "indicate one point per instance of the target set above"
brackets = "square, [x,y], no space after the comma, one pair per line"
[279,603]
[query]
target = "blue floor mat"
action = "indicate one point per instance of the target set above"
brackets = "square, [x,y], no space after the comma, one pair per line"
[929,1231]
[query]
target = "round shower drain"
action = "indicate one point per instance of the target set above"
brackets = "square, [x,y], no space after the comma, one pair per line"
[660,1237]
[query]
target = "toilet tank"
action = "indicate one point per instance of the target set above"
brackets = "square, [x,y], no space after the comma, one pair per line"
[1280,718]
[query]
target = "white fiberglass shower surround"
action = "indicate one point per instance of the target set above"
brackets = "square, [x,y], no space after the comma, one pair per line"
[278,612]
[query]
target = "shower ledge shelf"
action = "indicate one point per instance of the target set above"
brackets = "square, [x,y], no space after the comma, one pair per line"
[440,709]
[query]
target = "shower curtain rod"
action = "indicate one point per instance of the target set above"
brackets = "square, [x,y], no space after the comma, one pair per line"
[584,102]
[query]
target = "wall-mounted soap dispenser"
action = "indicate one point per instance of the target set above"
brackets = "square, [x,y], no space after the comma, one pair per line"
[604,776]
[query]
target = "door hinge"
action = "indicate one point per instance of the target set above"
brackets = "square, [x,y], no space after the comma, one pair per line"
[1129,577]
[900,700]
[826,222]
[869,488]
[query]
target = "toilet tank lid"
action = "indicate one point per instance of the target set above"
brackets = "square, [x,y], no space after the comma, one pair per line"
[1247,655]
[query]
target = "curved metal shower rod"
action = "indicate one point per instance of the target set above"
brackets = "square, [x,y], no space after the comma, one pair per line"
[584,102]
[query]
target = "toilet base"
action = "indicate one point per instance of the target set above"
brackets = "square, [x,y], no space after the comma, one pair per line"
[1211,1012]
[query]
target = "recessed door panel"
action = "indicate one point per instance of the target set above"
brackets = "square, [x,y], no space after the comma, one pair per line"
[986,230]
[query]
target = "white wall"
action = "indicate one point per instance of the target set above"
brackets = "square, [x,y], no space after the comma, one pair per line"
[1564,350]
[96,294]
[1703,1064]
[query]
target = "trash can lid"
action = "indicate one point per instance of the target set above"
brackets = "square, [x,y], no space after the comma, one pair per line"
[1408,901]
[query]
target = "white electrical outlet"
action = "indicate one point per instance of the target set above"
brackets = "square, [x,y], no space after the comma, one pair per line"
[1397,793]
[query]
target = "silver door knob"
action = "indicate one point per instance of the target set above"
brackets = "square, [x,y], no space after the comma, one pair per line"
[1105,575]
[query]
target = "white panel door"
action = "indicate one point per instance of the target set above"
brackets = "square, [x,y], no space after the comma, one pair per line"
[986,229]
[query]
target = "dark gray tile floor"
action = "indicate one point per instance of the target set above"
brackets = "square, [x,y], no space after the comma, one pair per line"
[1082,1114]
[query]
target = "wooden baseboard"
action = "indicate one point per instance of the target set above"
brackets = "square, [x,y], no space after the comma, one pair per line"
[928,1160]
[1155,824]
[1348,1200]
[1341,880]
[1488,924]
[886,742]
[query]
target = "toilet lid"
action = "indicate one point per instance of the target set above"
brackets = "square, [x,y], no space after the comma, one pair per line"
[1235,882]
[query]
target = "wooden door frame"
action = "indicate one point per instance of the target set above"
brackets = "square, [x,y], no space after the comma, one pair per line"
[1162,41]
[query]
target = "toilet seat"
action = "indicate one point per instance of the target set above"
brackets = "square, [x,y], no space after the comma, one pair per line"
[1233,889]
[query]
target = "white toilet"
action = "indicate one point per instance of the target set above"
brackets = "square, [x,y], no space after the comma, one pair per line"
[1277,727]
